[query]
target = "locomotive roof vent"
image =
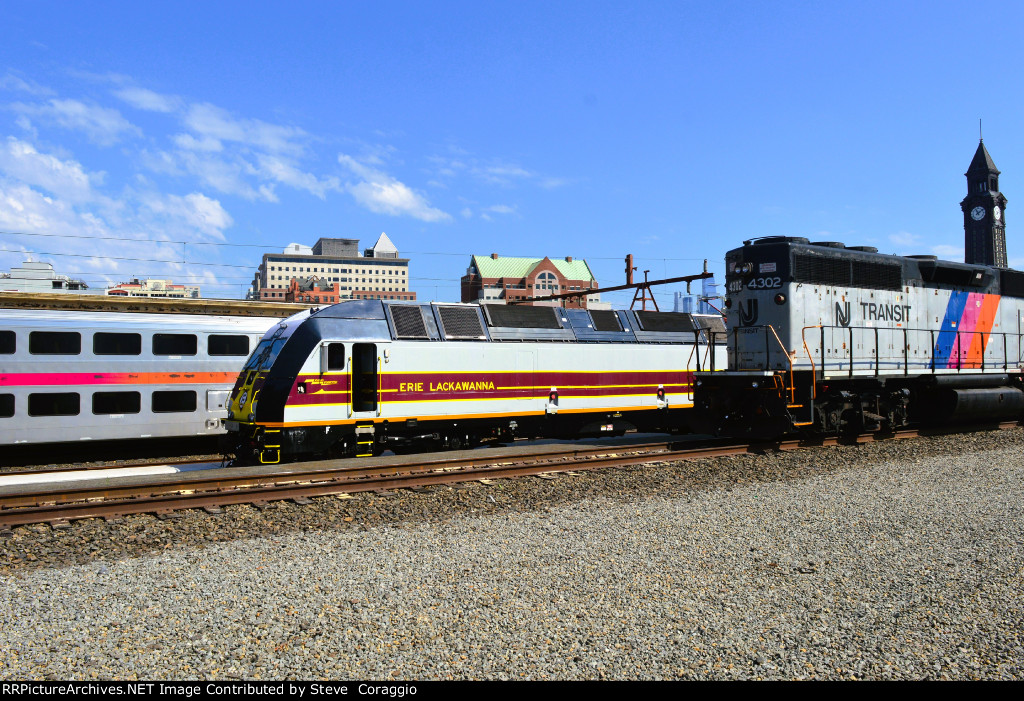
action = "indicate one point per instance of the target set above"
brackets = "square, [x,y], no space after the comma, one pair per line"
[522,317]
[461,322]
[775,239]
[666,321]
[408,321]
[924,257]
[863,249]
[829,244]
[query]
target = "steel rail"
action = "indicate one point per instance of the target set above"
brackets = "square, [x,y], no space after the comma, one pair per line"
[58,504]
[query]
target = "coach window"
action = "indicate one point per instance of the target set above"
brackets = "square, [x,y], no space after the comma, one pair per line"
[53,404]
[227,345]
[116,403]
[8,342]
[174,344]
[116,343]
[6,406]
[174,401]
[55,343]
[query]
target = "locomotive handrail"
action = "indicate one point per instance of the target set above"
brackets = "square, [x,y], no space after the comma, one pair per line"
[814,376]
[957,356]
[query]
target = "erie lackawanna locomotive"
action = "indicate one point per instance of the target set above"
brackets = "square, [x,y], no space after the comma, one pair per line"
[826,338]
[359,377]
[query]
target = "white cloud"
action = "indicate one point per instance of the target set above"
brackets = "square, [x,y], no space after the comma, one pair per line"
[103,126]
[949,252]
[493,172]
[210,121]
[20,160]
[191,143]
[13,82]
[279,169]
[381,193]
[496,209]
[194,210]
[144,99]
[904,238]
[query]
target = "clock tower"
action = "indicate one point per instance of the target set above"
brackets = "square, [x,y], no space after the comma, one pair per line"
[984,213]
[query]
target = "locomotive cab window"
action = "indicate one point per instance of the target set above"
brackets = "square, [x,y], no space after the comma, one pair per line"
[55,343]
[332,358]
[174,344]
[364,377]
[227,345]
[117,343]
[8,342]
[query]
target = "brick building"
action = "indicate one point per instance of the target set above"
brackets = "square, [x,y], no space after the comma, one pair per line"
[313,290]
[499,279]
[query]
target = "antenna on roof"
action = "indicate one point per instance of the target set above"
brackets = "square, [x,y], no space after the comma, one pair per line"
[980,137]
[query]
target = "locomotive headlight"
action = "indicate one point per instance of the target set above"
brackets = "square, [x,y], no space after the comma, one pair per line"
[728,303]
[754,384]
[780,298]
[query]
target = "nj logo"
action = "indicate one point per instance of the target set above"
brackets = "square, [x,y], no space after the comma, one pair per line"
[748,315]
[843,313]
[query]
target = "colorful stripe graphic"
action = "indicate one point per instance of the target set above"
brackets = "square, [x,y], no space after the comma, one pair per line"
[965,331]
[454,386]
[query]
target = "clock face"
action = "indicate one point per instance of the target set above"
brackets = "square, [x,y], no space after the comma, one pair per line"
[997,213]
[978,213]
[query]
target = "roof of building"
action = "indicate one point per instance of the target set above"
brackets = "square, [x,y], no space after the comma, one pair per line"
[982,162]
[384,246]
[513,267]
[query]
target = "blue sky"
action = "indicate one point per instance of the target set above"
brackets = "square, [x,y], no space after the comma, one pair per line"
[184,139]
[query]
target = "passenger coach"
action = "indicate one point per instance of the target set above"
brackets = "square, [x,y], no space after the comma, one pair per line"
[102,369]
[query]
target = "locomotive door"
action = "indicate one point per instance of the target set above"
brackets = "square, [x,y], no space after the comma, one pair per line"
[365,379]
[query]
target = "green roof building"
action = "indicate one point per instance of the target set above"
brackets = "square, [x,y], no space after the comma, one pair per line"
[498,279]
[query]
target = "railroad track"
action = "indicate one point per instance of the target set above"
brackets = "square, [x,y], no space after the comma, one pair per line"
[165,495]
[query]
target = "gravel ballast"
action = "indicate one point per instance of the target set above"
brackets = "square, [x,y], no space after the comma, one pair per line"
[897,560]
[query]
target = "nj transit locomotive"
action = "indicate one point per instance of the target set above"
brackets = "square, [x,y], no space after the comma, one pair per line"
[826,338]
[88,369]
[363,376]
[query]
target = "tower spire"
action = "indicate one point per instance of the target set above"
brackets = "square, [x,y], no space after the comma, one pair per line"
[984,210]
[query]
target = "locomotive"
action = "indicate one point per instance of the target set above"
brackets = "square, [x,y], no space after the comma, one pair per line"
[828,339]
[364,376]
